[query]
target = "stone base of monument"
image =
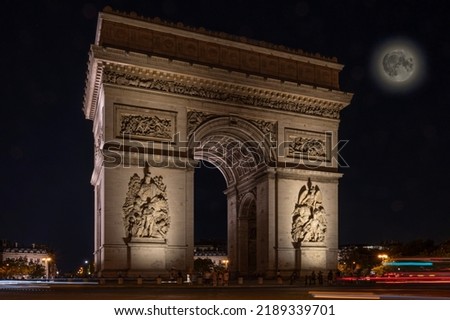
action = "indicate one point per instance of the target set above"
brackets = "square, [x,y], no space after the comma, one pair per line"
[146,258]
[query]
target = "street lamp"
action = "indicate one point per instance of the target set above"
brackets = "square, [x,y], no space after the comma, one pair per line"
[225,262]
[87,268]
[46,261]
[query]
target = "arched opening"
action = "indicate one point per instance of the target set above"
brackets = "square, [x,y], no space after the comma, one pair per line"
[210,206]
[248,232]
[240,152]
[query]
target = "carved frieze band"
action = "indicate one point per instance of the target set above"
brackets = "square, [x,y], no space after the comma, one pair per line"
[145,124]
[213,91]
[308,145]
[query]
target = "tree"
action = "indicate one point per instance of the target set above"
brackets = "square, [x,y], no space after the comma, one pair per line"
[419,247]
[36,270]
[202,265]
[414,248]
[2,271]
[442,250]
[358,260]
[21,268]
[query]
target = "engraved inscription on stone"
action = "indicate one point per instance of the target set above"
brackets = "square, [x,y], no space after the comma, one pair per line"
[146,208]
[308,218]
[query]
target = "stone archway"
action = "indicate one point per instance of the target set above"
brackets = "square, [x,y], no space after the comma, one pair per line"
[236,146]
[163,97]
[247,230]
[242,152]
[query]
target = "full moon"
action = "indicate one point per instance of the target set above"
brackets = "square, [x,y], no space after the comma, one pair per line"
[398,65]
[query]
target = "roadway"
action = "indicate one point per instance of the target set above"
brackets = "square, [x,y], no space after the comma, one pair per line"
[23,290]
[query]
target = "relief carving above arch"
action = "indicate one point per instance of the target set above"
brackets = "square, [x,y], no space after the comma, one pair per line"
[144,123]
[196,118]
[308,145]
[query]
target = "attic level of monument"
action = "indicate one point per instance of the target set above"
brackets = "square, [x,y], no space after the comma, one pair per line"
[222,35]
[153,37]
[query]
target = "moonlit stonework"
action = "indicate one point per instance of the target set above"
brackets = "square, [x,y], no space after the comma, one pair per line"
[398,65]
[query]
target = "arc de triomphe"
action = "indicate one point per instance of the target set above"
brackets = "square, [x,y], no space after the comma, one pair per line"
[164,96]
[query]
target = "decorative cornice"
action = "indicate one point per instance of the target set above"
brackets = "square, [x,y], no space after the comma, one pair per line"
[218,91]
[318,174]
[92,86]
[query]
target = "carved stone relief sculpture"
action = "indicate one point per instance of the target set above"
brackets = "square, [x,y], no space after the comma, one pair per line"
[312,148]
[308,145]
[214,91]
[308,218]
[144,123]
[146,209]
[196,118]
[147,126]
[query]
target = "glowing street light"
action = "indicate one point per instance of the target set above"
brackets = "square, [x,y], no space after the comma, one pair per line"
[225,262]
[383,257]
[87,268]
[46,261]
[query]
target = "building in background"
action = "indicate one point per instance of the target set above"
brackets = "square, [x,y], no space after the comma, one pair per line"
[216,253]
[34,255]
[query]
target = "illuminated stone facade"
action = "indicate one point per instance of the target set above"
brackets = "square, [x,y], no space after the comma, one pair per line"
[32,254]
[164,96]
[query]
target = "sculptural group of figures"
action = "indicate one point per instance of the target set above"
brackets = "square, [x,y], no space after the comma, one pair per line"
[309,147]
[308,218]
[146,210]
[145,126]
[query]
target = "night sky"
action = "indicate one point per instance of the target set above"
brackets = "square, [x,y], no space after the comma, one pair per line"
[394,188]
